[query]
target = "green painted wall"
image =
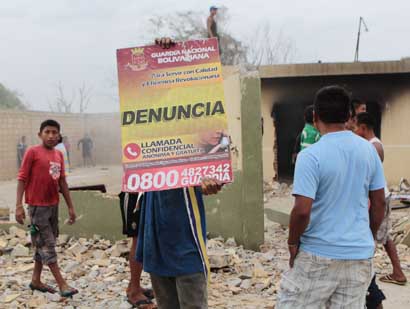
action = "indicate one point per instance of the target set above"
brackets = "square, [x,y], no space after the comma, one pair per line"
[96,213]
[252,207]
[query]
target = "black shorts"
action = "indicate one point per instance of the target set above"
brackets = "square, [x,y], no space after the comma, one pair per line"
[130,213]
[375,296]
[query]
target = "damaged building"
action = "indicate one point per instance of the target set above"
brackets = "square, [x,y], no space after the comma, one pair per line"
[287,89]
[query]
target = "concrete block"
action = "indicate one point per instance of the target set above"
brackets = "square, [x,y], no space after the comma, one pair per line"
[406,239]
[278,210]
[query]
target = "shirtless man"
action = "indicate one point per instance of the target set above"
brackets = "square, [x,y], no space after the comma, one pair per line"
[211,23]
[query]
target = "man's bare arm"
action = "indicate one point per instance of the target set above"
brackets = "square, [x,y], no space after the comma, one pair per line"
[380,150]
[20,215]
[66,193]
[377,209]
[20,192]
[299,218]
[209,22]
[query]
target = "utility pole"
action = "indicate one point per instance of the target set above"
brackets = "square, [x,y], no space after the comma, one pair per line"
[361,21]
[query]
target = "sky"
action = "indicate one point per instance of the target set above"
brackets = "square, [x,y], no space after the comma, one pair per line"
[45,42]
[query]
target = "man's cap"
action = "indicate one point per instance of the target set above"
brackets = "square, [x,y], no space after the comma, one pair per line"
[213,8]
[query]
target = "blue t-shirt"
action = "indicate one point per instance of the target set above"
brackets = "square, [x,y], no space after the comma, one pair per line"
[171,223]
[337,173]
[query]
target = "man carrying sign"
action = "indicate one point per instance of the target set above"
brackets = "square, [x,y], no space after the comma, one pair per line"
[171,242]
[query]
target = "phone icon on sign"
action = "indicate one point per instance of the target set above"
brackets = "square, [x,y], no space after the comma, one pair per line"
[132,151]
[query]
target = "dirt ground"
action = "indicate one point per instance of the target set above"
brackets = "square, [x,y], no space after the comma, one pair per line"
[397,297]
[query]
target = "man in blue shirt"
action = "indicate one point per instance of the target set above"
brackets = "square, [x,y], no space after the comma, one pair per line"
[172,241]
[331,232]
[172,245]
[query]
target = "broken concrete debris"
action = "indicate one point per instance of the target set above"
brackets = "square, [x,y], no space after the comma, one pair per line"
[20,250]
[404,185]
[17,232]
[219,259]
[275,189]
[240,278]
[403,188]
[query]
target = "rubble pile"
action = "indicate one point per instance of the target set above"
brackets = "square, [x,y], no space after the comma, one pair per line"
[400,231]
[98,268]
[276,189]
[402,188]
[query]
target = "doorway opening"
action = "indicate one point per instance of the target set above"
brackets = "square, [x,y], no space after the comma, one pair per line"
[289,122]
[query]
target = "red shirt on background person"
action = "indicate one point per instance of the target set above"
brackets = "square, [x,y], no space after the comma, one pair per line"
[41,171]
[40,179]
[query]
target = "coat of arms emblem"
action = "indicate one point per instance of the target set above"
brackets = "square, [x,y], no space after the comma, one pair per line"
[138,61]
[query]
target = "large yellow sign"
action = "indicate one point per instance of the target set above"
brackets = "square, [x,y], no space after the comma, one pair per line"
[173,116]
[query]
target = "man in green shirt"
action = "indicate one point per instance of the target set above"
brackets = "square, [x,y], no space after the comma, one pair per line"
[310,134]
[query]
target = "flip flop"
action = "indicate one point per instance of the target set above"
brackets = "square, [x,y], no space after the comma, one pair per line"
[149,293]
[140,304]
[389,279]
[44,289]
[68,293]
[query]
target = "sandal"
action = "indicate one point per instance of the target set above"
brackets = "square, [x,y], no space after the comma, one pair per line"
[149,293]
[44,289]
[68,293]
[140,304]
[389,279]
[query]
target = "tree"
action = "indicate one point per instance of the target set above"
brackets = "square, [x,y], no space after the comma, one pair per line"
[63,104]
[10,99]
[189,25]
[266,48]
[84,93]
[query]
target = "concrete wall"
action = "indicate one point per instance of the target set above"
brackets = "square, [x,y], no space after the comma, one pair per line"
[335,69]
[232,91]
[104,129]
[396,138]
[98,214]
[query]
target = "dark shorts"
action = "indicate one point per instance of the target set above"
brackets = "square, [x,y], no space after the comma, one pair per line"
[375,296]
[87,153]
[188,291]
[130,213]
[44,220]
